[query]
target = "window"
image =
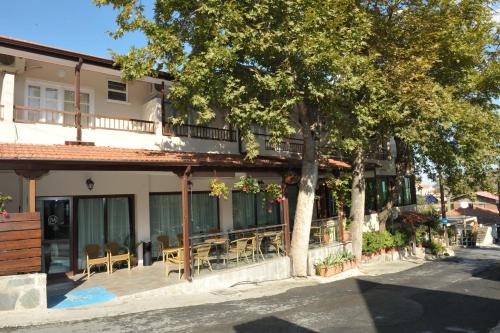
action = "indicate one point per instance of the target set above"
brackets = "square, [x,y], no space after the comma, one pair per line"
[251,210]
[370,195]
[59,97]
[117,91]
[383,191]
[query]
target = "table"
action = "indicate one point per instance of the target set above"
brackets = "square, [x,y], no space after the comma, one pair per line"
[217,242]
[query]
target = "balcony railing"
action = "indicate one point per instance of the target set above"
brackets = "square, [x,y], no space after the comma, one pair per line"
[24,114]
[200,132]
[288,145]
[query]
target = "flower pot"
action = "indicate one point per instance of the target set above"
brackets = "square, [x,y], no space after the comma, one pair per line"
[326,238]
[345,236]
[330,270]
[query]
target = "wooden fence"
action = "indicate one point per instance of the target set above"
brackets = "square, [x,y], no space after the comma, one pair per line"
[20,243]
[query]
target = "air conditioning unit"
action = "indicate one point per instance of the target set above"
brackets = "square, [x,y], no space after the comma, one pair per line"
[11,64]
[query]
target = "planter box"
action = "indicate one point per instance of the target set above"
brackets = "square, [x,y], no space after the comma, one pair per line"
[329,271]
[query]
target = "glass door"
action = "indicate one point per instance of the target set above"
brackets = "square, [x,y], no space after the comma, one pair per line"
[57,226]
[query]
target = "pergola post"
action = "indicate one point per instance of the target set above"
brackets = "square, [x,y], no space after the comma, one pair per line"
[286,218]
[185,224]
[32,195]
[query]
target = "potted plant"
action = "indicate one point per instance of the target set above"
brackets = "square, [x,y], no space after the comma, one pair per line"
[327,234]
[247,184]
[273,192]
[218,189]
[4,198]
[329,266]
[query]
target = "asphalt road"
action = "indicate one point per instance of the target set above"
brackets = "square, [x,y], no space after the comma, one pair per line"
[460,294]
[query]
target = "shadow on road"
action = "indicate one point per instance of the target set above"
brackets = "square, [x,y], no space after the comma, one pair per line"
[473,307]
[270,325]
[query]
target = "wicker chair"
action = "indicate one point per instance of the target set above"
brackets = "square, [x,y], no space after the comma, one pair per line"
[201,255]
[239,247]
[165,248]
[277,243]
[177,259]
[93,259]
[254,247]
[116,254]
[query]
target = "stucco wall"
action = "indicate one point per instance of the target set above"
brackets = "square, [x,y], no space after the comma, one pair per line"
[23,292]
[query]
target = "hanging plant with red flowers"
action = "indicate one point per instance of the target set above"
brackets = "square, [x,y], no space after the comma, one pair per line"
[218,189]
[247,184]
[4,198]
[273,192]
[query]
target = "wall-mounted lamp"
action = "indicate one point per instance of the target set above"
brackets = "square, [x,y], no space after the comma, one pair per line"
[90,183]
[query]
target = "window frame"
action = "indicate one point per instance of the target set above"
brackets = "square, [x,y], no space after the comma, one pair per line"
[61,87]
[126,101]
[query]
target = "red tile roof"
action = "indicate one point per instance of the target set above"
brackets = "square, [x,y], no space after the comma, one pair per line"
[487,195]
[99,154]
[484,215]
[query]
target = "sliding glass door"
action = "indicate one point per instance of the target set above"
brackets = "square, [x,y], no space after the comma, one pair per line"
[101,220]
[251,210]
[165,213]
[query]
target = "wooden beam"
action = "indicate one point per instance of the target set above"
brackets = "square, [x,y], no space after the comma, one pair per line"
[286,217]
[32,195]
[185,224]
[78,114]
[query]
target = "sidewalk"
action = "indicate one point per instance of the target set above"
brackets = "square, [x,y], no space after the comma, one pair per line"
[160,299]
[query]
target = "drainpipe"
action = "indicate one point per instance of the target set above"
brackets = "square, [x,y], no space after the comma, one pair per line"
[78,115]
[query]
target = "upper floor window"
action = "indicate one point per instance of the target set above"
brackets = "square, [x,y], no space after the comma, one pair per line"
[117,91]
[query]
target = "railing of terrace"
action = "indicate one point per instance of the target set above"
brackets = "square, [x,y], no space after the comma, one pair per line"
[221,243]
[200,132]
[23,114]
[324,232]
[290,145]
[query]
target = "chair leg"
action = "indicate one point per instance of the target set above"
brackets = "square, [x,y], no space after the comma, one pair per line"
[128,263]
[88,271]
[179,266]
[198,263]
[209,265]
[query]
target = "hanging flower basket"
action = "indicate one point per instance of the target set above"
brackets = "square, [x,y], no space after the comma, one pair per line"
[218,189]
[4,198]
[247,184]
[274,193]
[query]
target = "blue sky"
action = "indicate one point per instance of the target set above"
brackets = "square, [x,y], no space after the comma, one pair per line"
[76,25]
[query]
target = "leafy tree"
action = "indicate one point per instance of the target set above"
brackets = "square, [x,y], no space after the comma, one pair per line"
[281,65]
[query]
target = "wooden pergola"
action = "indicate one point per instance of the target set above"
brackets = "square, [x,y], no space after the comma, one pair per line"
[33,161]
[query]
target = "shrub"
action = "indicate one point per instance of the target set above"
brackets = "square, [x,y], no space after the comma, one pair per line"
[400,239]
[437,248]
[421,234]
[387,240]
[373,241]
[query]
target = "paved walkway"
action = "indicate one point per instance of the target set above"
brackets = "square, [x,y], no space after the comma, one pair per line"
[460,294]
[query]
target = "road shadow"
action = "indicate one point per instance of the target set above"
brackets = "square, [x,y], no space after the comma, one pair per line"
[270,325]
[399,308]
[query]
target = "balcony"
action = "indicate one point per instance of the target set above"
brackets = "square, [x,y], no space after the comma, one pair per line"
[29,115]
[288,145]
[200,132]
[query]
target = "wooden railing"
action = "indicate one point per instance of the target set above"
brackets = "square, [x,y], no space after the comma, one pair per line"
[20,243]
[24,114]
[117,123]
[288,145]
[200,132]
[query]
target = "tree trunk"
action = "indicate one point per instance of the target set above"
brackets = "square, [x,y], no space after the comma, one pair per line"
[443,208]
[305,200]
[358,203]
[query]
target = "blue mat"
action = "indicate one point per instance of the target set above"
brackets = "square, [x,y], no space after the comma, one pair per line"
[80,297]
